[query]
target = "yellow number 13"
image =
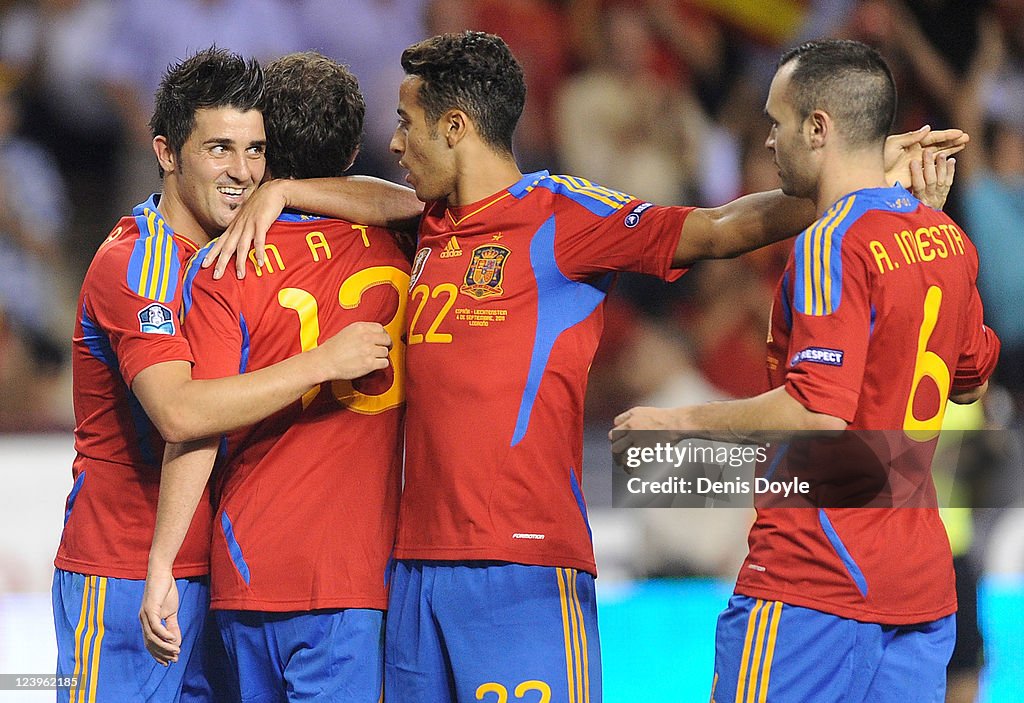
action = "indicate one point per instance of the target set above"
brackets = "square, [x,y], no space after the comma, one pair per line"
[349,295]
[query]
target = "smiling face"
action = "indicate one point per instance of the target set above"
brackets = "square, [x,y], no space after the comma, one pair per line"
[219,166]
[788,139]
[422,147]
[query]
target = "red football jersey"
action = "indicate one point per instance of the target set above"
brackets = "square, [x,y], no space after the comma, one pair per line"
[127,321]
[504,318]
[307,499]
[876,319]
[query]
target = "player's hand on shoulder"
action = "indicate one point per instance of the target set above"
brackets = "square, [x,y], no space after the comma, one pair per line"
[357,350]
[159,617]
[921,160]
[931,177]
[248,229]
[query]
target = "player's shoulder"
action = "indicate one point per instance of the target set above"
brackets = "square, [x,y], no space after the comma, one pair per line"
[856,217]
[567,189]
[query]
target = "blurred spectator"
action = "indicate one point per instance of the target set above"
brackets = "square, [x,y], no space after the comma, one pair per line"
[33,213]
[534,30]
[990,106]
[621,125]
[60,47]
[369,36]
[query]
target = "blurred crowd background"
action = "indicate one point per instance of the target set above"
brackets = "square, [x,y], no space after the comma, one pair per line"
[662,99]
[659,98]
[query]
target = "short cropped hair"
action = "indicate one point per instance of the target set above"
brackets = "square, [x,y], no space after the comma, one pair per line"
[848,80]
[473,72]
[314,116]
[208,79]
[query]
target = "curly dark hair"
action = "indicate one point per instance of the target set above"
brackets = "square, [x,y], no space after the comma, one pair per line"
[209,78]
[314,116]
[848,80]
[473,72]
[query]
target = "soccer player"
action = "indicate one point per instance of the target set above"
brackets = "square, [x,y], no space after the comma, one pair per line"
[306,501]
[494,587]
[132,386]
[876,322]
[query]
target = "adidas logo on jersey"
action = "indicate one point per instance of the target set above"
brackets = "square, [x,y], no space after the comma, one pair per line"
[451,249]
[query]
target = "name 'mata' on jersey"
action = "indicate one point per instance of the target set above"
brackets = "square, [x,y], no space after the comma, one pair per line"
[307,499]
[504,318]
[876,320]
[127,321]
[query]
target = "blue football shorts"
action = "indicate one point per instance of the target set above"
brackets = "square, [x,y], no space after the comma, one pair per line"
[320,655]
[491,631]
[771,652]
[100,644]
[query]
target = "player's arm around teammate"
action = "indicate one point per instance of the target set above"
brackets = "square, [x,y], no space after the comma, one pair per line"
[185,409]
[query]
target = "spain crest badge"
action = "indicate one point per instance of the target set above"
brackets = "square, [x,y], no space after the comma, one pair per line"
[483,277]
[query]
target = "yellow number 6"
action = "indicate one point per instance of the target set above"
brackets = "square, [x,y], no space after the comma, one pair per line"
[927,364]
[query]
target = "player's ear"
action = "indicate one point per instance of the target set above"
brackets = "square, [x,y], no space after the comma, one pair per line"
[165,155]
[817,128]
[455,124]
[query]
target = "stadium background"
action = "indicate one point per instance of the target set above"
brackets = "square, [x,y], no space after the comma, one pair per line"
[659,98]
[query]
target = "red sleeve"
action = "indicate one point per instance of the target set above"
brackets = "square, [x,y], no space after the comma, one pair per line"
[638,237]
[831,326]
[142,331]
[980,352]
[215,326]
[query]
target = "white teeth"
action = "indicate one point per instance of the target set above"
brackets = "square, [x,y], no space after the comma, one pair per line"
[231,191]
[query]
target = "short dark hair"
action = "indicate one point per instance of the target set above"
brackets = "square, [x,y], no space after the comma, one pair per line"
[314,116]
[474,72]
[848,80]
[209,78]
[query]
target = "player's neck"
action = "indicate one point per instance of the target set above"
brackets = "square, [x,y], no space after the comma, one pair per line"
[481,173]
[179,217]
[848,173]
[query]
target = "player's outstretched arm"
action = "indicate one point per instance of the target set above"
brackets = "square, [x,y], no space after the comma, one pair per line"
[742,225]
[185,473]
[184,409]
[749,419]
[360,199]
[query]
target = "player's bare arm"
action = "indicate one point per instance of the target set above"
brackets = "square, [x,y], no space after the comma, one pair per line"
[920,159]
[362,199]
[184,409]
[185,472]
[745,420]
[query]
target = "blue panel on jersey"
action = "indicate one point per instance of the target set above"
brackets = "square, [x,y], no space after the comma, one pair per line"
[191,271]
[597,199]
[97,342]
[297,216]
[780,452]
[580,503]
[243,360]
[234,548]
[154,268]
[144,430]
[561,303]
[851,566]
[818,283]
[72,495]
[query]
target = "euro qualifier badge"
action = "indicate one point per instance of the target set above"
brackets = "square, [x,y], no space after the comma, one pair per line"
[156,319]
[483,278]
